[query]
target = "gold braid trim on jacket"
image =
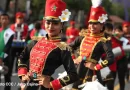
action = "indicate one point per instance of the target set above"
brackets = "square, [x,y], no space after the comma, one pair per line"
[64,46]
[103,39]
[37,38]
[83,32]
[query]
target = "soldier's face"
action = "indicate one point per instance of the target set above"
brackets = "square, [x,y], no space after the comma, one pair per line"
[95,28]
[126,29]
[118,33]
[19,20]
[108,31]
[53,28]
[4,20]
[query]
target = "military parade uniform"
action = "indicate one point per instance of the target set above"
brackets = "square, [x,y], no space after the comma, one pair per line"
[41,58]
[23,32]
[34,32]
[6,37]
[45,57]
[92,46]
[113,67]
[122,68]
[6,40]
[41,32]
[71,32]
[19,39]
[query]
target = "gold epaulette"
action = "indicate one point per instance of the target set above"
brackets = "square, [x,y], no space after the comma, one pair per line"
[103,39]
[83,32]
[64,46]
[37,38]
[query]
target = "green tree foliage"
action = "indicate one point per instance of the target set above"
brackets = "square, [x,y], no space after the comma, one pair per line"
[107,4]
[78,4]
[37,7]
[118,10]
[86,4]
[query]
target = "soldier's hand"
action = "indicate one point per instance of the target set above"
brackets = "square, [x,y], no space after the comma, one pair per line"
[78,60]
[44,81]
[90,65]
[25,78]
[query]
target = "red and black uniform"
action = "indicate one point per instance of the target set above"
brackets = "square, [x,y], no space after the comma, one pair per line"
[122,64]
[44,57]
[23,33]
[72,32]
[113,67]
[116,43]
[20,37]
[18,46]
[92,47]
[41,32]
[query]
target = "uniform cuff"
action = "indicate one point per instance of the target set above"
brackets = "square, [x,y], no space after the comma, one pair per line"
[56,85]
[98,67]
[73,56]
[22,71]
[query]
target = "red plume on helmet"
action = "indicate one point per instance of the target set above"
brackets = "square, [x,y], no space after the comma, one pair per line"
[56,10]
[97,13]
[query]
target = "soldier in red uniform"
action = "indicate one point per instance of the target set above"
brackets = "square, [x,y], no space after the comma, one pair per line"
[92,46]
[37,31]
[47,54]
[116,42]
[20,24]
[122,61]
[126,30]
[71,32]
[21,30]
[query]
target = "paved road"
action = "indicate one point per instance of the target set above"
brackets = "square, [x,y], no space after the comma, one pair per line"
[16,80]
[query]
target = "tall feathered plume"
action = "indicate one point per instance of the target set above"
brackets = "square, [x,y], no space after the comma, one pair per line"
[96,3]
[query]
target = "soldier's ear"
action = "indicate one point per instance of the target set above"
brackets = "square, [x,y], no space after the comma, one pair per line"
[62,26]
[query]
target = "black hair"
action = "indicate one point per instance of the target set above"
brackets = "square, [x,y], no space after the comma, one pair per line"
[38,25]
[108,26]
[4,14]
[119,27]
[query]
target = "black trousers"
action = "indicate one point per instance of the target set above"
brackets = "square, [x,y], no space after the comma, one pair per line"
[85,75]
[121,70]
[110,83]
[15,52]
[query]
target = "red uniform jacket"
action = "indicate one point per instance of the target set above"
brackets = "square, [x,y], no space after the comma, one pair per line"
[24,33]
[115,43]
[71,33]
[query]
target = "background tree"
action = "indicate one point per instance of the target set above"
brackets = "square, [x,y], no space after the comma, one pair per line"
[78,8]
[37,7]
[7,5]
